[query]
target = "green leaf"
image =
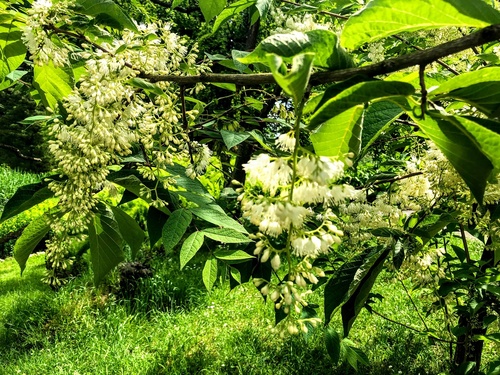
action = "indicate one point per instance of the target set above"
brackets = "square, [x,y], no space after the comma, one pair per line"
[215,215]
[480,88]
[235,274]
[354,356]
[324,43]
[232,255]
[263,7]
[105,244]
[53,84]
[382,18]
[24,198]
[130,231]
[178,172]
[232,139]
[147,86]
[107,12]
[190,247]
[361,286]
[211,8]
[233,9]
[294,83]
[225,235]
[337,287]
[359,94]
[460,149]
[12,49]
[332,341]
[340,135]
[209,273]
[155,220]
[378,117]
[175,227]
[31,236]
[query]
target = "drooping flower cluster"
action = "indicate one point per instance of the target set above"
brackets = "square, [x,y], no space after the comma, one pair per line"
[40,40]
[288,199]
[111,112]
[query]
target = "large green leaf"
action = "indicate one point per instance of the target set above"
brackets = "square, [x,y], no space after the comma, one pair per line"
[225,235]
[209,273]
[31,236]
[340,135]
[460,148]
[361,286]
[381,18]
[53,84]
[131,232]
[215,215]
[324,43]
[12,49]
[480,88]
[337,287]
[232,10]
[190,247]
[233,255]
[106,12]
[486,133]
[294,83]
[358,94]
[106,249]
[332,341]
[175,227]
[377,118]
[155,220]
[211,8]
[232,139]
[24,198]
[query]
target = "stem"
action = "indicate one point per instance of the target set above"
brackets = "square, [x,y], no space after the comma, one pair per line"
[415,306]
[464,242]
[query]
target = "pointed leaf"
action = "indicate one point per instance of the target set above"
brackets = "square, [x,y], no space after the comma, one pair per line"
[209,273]
[358,94]
[105,244]
[225,235]
[215,215]
[294,83]
[377,118]
[232,255]
[190,247]
[155,221]
[24,198]
[107,12]
[381,18]
[460,149]
[147,86]
[324,43]
[211,8]
[360,289]
[131,232]
[232,139]
[53,84]
[340,135]
[29,239]
[480,88]
[233,9]
[332,341]
[175,227]
[12,49]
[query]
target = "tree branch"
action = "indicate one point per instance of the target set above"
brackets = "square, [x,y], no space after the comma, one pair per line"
[19,153]
[488,34]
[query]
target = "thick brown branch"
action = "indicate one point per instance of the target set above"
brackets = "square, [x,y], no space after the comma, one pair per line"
[427,56]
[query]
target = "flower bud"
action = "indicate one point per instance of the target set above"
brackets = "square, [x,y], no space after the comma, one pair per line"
[276,262]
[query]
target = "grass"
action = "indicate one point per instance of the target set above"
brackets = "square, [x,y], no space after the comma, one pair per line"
[11,179]
[81,330]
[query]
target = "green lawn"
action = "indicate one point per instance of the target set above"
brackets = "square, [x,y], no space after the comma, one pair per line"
[81,330]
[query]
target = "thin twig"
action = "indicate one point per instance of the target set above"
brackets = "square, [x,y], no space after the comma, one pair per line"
[414,305]
[19,153]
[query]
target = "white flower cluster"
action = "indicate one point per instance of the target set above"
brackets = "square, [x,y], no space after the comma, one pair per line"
[287,23]
[39,39]
[108,113]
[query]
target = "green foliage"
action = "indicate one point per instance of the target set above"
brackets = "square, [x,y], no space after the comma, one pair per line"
[381,18]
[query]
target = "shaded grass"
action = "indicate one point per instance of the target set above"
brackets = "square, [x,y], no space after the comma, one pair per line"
[81,330]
